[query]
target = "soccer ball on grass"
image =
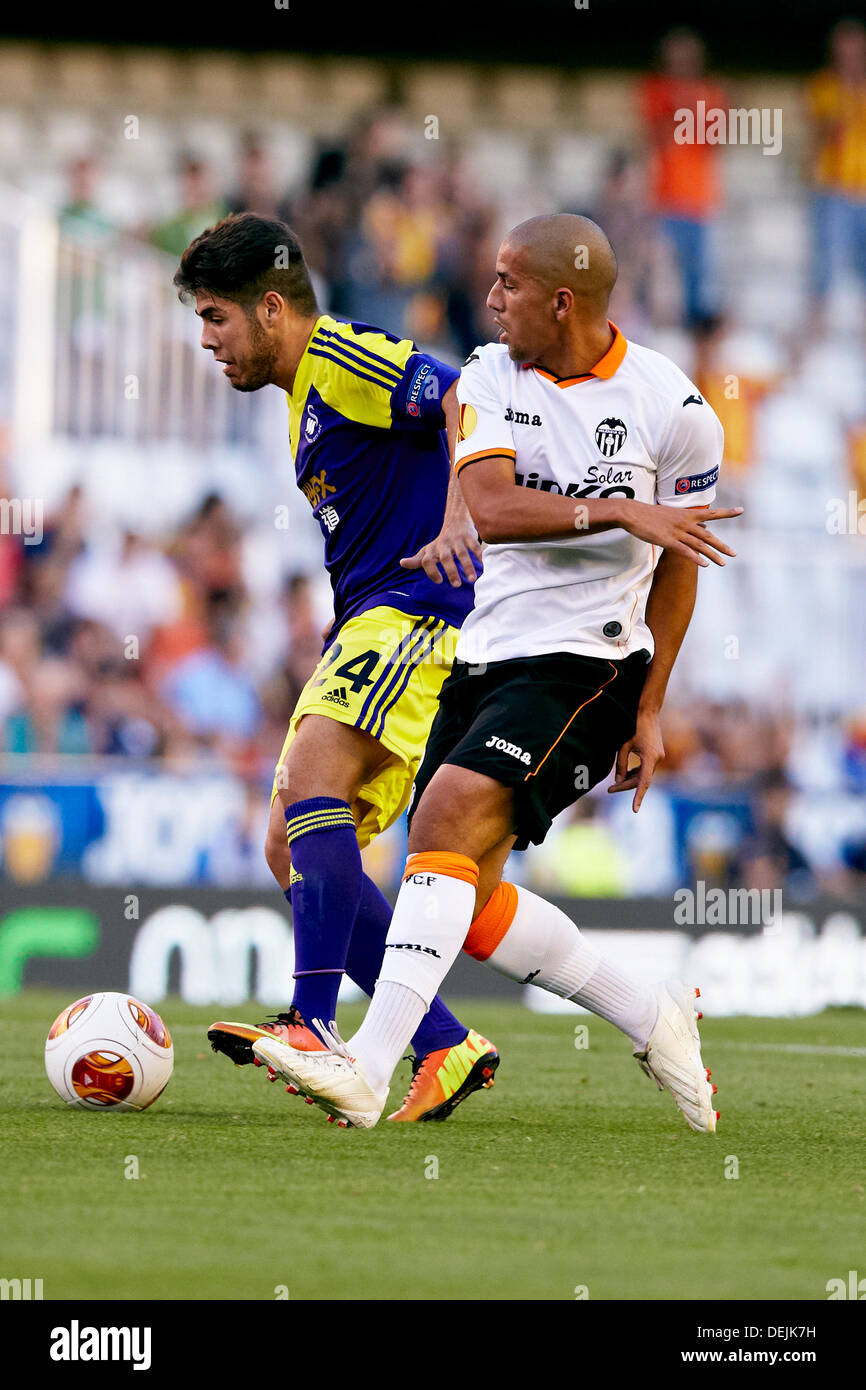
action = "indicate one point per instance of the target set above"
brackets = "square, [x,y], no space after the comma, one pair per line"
[109,1052]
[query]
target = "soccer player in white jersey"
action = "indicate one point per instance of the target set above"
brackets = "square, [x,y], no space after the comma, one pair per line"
[570,437]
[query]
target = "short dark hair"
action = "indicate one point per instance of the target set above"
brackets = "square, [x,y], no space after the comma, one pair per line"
[243,257]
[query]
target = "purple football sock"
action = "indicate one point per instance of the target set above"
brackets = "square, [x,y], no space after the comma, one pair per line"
[325,895]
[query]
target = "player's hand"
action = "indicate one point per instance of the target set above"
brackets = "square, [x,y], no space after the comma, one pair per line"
[455,542]
[646,744]
[683,530]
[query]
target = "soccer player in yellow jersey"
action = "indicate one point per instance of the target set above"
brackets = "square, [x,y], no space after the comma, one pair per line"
[367,416]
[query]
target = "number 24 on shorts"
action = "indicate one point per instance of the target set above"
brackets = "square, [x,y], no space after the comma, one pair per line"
[358,672]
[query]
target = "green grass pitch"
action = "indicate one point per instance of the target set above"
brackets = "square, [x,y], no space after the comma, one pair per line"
[572,1172]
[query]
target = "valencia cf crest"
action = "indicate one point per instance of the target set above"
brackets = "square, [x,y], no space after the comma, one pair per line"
[610,436]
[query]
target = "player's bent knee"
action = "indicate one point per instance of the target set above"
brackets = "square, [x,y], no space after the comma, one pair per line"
[435,815]
[461,811]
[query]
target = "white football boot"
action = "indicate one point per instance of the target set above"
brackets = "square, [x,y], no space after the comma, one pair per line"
[333,1080]
[673,1055]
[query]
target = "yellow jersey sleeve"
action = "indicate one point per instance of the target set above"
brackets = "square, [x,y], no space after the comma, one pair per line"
[357,370]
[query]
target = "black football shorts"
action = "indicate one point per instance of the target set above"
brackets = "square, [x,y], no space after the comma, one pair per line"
[548,726]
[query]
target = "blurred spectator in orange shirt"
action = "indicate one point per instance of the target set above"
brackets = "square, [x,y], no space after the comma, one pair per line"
[836,99]
[685,189]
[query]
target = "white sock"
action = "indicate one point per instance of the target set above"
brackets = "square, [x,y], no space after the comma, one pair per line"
[622,1001]
[382,1038]
[431,918]
[544,944]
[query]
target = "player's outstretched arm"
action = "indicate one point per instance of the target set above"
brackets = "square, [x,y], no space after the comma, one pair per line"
[504,512]
[457,541]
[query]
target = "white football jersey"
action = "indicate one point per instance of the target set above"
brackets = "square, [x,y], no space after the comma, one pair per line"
[633,427]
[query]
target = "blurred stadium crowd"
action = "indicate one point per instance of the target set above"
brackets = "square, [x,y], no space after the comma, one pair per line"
[158,644]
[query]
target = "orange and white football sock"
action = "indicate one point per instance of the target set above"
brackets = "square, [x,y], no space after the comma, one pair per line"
[431,918]
[528,939]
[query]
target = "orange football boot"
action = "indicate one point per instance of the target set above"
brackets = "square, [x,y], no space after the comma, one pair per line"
[236,1039]
[442,1079]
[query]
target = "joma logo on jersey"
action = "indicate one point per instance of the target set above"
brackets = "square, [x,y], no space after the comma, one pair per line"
[521,417]
[411,946]
[610,436]
[510,748]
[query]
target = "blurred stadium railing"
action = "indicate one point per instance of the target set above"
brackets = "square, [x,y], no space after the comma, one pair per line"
[117,311]
[96,328]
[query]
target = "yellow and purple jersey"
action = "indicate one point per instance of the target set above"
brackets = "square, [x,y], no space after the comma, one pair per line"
[367,435]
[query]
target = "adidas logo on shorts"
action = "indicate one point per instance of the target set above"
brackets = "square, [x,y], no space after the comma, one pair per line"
[510,748]
[337,696]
